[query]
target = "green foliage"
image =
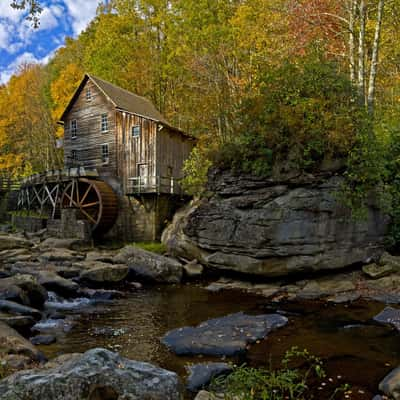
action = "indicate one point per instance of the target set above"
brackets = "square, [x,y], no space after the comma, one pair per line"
[246,383]
[28,213]
[304,113]
[366,174]
[154,247]
[391,186]
[195,172]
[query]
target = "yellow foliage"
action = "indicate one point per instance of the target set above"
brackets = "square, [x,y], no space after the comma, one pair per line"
[62,90]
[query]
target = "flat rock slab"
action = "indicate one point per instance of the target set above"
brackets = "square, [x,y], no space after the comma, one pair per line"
[226,336]
[375,271]
[17,321]
[8,242]
[96,374]
[200,375]
[390,385]
[15,308]
[389,316]
[43,339]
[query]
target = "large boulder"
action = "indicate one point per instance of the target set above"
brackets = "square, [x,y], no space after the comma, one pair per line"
[274,228]
[226,336]
[11,342]
[98,374]
[24,289]
[99,272]
[150,266]
[54,282]
[47,276]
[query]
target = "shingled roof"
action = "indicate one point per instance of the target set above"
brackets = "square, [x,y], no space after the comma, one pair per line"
[122,99]
[128,101]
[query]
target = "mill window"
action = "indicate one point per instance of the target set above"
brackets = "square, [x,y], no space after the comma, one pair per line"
[104,123]
[74,155]
[136,131]
[104,153]
[74,128]
[88,94]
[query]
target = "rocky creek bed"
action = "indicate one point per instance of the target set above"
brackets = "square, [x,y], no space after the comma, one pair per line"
[67,299]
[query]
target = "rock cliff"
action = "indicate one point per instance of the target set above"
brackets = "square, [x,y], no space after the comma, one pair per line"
[275,227]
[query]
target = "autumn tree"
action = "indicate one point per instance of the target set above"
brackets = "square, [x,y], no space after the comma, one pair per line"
[27,127]
[351,30]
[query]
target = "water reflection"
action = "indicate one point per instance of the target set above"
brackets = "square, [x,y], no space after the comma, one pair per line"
[344,336]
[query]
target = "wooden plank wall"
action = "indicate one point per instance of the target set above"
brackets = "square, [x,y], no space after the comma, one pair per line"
[173,149]
[89,138]
[133,151]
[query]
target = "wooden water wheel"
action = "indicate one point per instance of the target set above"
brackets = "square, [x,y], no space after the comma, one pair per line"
[95,200]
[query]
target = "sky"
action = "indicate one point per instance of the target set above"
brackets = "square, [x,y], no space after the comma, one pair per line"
[21,43]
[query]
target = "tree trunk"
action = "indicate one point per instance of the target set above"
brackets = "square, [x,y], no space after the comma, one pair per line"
[352,61]
[361,53]
[374,58]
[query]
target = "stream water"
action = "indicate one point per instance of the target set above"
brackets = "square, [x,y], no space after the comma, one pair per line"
[354,348]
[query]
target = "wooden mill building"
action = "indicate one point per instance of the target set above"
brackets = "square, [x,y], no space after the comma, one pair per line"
[123,163]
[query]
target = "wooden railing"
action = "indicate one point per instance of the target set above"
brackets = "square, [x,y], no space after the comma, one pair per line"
[59,175]
[154,184]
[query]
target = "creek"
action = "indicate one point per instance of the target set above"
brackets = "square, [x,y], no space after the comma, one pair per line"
[355,349]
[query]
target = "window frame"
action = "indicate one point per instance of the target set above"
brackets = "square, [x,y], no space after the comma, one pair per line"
[139,128]
[73,130]
[88,94]
[74,155]
[105,156]
[102,124]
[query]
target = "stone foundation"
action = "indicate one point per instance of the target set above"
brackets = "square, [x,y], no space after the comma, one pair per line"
[143,219]
[69,226]
[28,224]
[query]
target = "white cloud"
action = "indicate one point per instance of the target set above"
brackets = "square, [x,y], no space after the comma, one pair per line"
[81,12]
[4,37]
[24,58]
[10,13]
[49,17]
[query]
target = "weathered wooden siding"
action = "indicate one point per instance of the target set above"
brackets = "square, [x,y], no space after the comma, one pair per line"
[90,138]
[173,149]
[133,151]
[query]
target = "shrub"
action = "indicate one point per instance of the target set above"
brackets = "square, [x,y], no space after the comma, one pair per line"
[246,383]
[303,113]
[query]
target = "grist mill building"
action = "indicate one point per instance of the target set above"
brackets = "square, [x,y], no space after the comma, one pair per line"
[122,165]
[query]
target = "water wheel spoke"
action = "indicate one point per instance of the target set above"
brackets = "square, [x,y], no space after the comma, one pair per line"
[71,198]
[87,192]
[71,201]
[94,200]
[89,217]
[87,205]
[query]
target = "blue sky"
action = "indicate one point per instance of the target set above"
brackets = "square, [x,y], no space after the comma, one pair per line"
[20,43]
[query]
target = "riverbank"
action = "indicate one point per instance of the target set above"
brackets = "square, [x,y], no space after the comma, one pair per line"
[332,316]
